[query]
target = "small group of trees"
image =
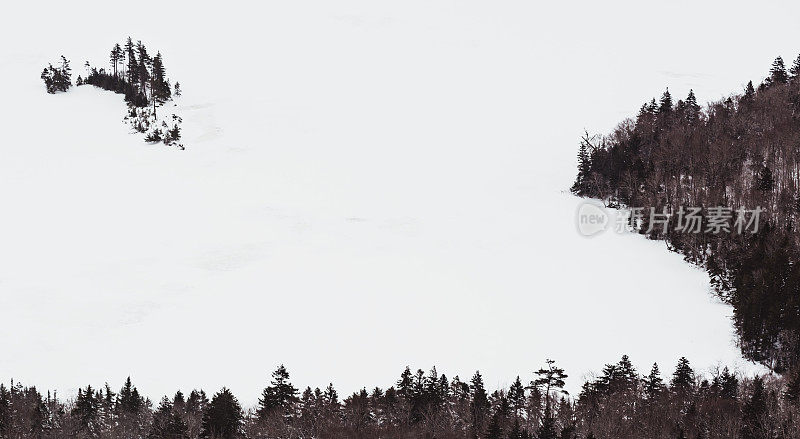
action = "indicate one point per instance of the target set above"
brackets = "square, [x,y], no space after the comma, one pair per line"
[141,78]
[742,152]
[618,404]
[57,78]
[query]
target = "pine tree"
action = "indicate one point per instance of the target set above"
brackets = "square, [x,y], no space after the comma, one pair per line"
[749,93]
[652,107]
[116,54]
[86,414]
[479,405]
[405,383]
[179,402]
[516,397]
[692,108]
[159,85]
[777,74]
[196,405]
[130,408]
[653,384]
[584,165]
[144,63]
[794,71]
[178,89]
[223,418]
[66,74]
[279,397]
[167,422]
[626,375]
[683,377]
[132,66]
[729,385]
[550,379]
[665,106]
[107,407]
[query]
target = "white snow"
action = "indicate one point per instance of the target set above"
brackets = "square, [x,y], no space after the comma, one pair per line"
[366,185]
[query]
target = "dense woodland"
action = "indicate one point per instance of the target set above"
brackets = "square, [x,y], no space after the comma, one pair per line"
[618,404]
[740,152]
[137,75]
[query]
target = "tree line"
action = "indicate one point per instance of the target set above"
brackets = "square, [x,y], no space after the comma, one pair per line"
[741,152]
[616,404]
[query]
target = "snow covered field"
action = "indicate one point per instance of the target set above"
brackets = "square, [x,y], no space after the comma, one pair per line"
[366,185]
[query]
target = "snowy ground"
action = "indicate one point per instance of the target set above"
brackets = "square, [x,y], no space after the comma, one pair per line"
[365,186]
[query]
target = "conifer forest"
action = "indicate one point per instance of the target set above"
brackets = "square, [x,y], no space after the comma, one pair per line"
[432,219]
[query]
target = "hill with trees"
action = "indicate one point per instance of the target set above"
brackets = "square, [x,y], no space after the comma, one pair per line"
[137,75]
[740,154]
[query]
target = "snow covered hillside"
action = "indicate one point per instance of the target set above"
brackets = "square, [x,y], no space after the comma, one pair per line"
[365,185]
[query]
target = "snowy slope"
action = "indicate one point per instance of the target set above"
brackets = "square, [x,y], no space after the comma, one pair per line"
[377,185]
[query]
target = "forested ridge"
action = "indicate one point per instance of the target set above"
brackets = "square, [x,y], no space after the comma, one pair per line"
[742,152]
[619,403]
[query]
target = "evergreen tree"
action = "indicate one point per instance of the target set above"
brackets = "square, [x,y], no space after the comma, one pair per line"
[223,418]
[652,107]
[279,397]
[729,385]
[132,66]
[57,78]
[144,63]
[159,84]
[167,422]
[405,383]
[584,166]
[749,93]
[692,108]
[130,410]
[196,405]
[665,106]
[794,71]
[86,414]
[653,384]
[550,379]
[626,376]
[777,74]
[516,397]
[683,377]
[479,405]
[116,55]
[179,402]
